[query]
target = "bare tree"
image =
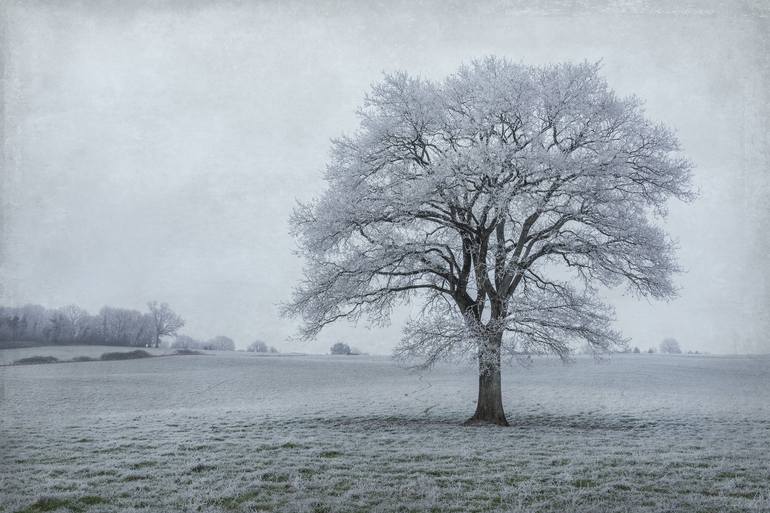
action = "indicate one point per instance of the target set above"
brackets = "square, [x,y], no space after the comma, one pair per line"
[500,197]
[121,326]
[77,318]
[220,343]
[258,346]
[165,321]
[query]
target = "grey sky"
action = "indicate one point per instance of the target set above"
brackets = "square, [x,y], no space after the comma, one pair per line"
[155,150]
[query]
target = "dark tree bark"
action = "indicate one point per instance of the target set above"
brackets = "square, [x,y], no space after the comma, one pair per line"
[489,406]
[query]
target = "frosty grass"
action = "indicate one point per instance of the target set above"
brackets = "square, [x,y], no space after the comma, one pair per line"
[238,432]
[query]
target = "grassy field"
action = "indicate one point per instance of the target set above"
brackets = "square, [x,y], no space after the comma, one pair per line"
[236,432]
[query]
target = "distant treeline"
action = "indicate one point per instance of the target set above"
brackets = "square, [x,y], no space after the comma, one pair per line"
[37,325]
[74,325]
[220,343]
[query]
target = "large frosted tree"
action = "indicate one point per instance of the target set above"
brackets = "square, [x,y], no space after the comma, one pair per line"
[502,198]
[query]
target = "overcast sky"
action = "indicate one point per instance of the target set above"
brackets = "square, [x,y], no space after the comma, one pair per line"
[155,150]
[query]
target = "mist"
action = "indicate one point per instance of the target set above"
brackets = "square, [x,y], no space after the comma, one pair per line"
[155,152]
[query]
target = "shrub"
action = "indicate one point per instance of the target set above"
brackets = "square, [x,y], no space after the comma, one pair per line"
[130,355]
[340,348]
[83,359]
[34,360]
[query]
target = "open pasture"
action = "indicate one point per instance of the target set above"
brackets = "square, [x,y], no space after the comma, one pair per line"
[234,432]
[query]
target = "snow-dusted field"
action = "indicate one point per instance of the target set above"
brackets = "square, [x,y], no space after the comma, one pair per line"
[237,432]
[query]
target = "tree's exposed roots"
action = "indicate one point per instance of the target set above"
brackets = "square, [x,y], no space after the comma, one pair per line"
[497,421]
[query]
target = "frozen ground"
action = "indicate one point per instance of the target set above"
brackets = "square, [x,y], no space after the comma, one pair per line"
[235,432]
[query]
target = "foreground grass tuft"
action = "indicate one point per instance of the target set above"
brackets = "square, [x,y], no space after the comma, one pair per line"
[91,500]
[202,467]
[236,502]
[584,483]
[44,504]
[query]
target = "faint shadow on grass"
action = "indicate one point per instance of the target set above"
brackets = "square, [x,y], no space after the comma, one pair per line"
[44,504]
[581,422]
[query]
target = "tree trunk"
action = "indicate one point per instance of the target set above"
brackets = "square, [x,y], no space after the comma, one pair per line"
[489,407]
[157,341]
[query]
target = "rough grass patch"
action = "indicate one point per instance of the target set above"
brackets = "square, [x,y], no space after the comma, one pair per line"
[237,501]
[136,477]
[91,500]
[330,454]
[275,477]
[319,507]
[516,479]
[36,360]
[202,467]
[440,472]
[746,494]
[142,464]
[46,504]
[584,483]
[341,487]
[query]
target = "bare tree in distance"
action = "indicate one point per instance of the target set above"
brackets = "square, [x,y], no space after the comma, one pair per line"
[259,346]
[165,321]
[182,341]
[220,343]
[501,198]
[670,346]
[340,348]
[77,318]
